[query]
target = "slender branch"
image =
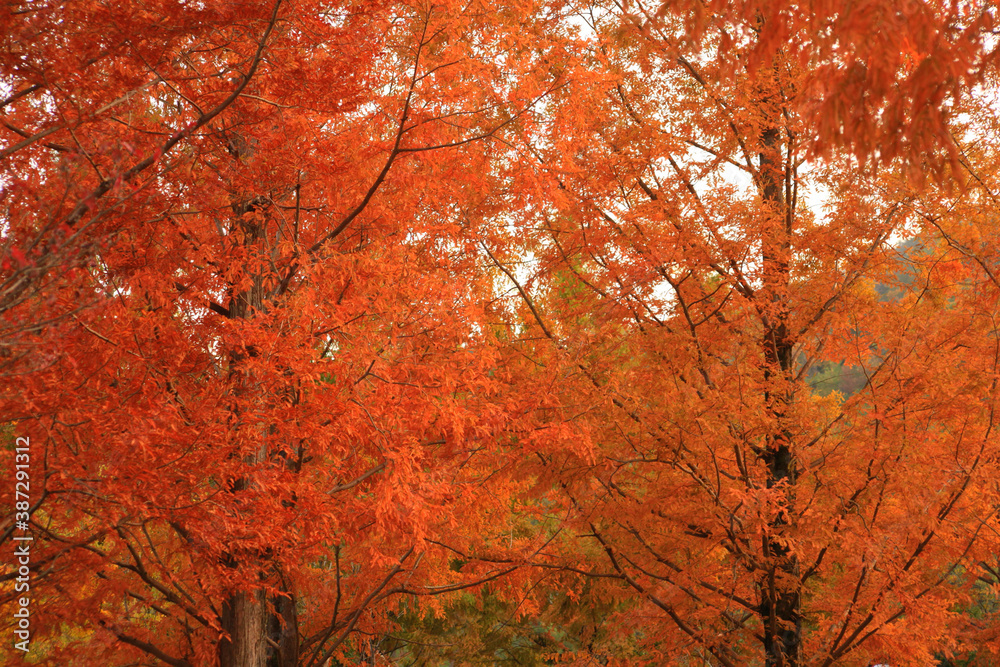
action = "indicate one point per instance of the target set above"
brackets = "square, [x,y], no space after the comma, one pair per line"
[678,621]
[19,94]
[179,136]
[520,290]
[147,647]
[354,482]
[356,615]
[55,128]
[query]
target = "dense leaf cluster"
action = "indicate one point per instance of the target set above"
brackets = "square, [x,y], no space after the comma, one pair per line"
[429,333]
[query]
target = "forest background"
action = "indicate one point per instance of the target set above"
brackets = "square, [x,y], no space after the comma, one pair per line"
[429,333]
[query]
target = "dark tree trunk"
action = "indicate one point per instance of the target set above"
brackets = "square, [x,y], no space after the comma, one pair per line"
[284,632]
[779,585]
[263,632]
[244,618]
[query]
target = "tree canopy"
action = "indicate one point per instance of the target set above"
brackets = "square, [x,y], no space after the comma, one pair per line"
[456,333]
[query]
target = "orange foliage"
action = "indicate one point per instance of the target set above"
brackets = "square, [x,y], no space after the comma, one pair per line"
[300,301]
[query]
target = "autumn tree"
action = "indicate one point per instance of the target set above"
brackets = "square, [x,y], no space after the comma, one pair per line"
[312,309]
[244,327]
[720,192]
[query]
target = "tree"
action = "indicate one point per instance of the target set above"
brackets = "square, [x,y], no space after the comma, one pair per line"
[256,321]
[243,330]
[751,520]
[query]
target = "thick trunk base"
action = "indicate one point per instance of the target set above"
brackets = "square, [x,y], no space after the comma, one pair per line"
[244,618]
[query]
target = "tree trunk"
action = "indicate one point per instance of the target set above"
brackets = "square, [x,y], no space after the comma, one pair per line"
[263,632]
[284,631]
[244,618]
[779,585]
[250,623]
